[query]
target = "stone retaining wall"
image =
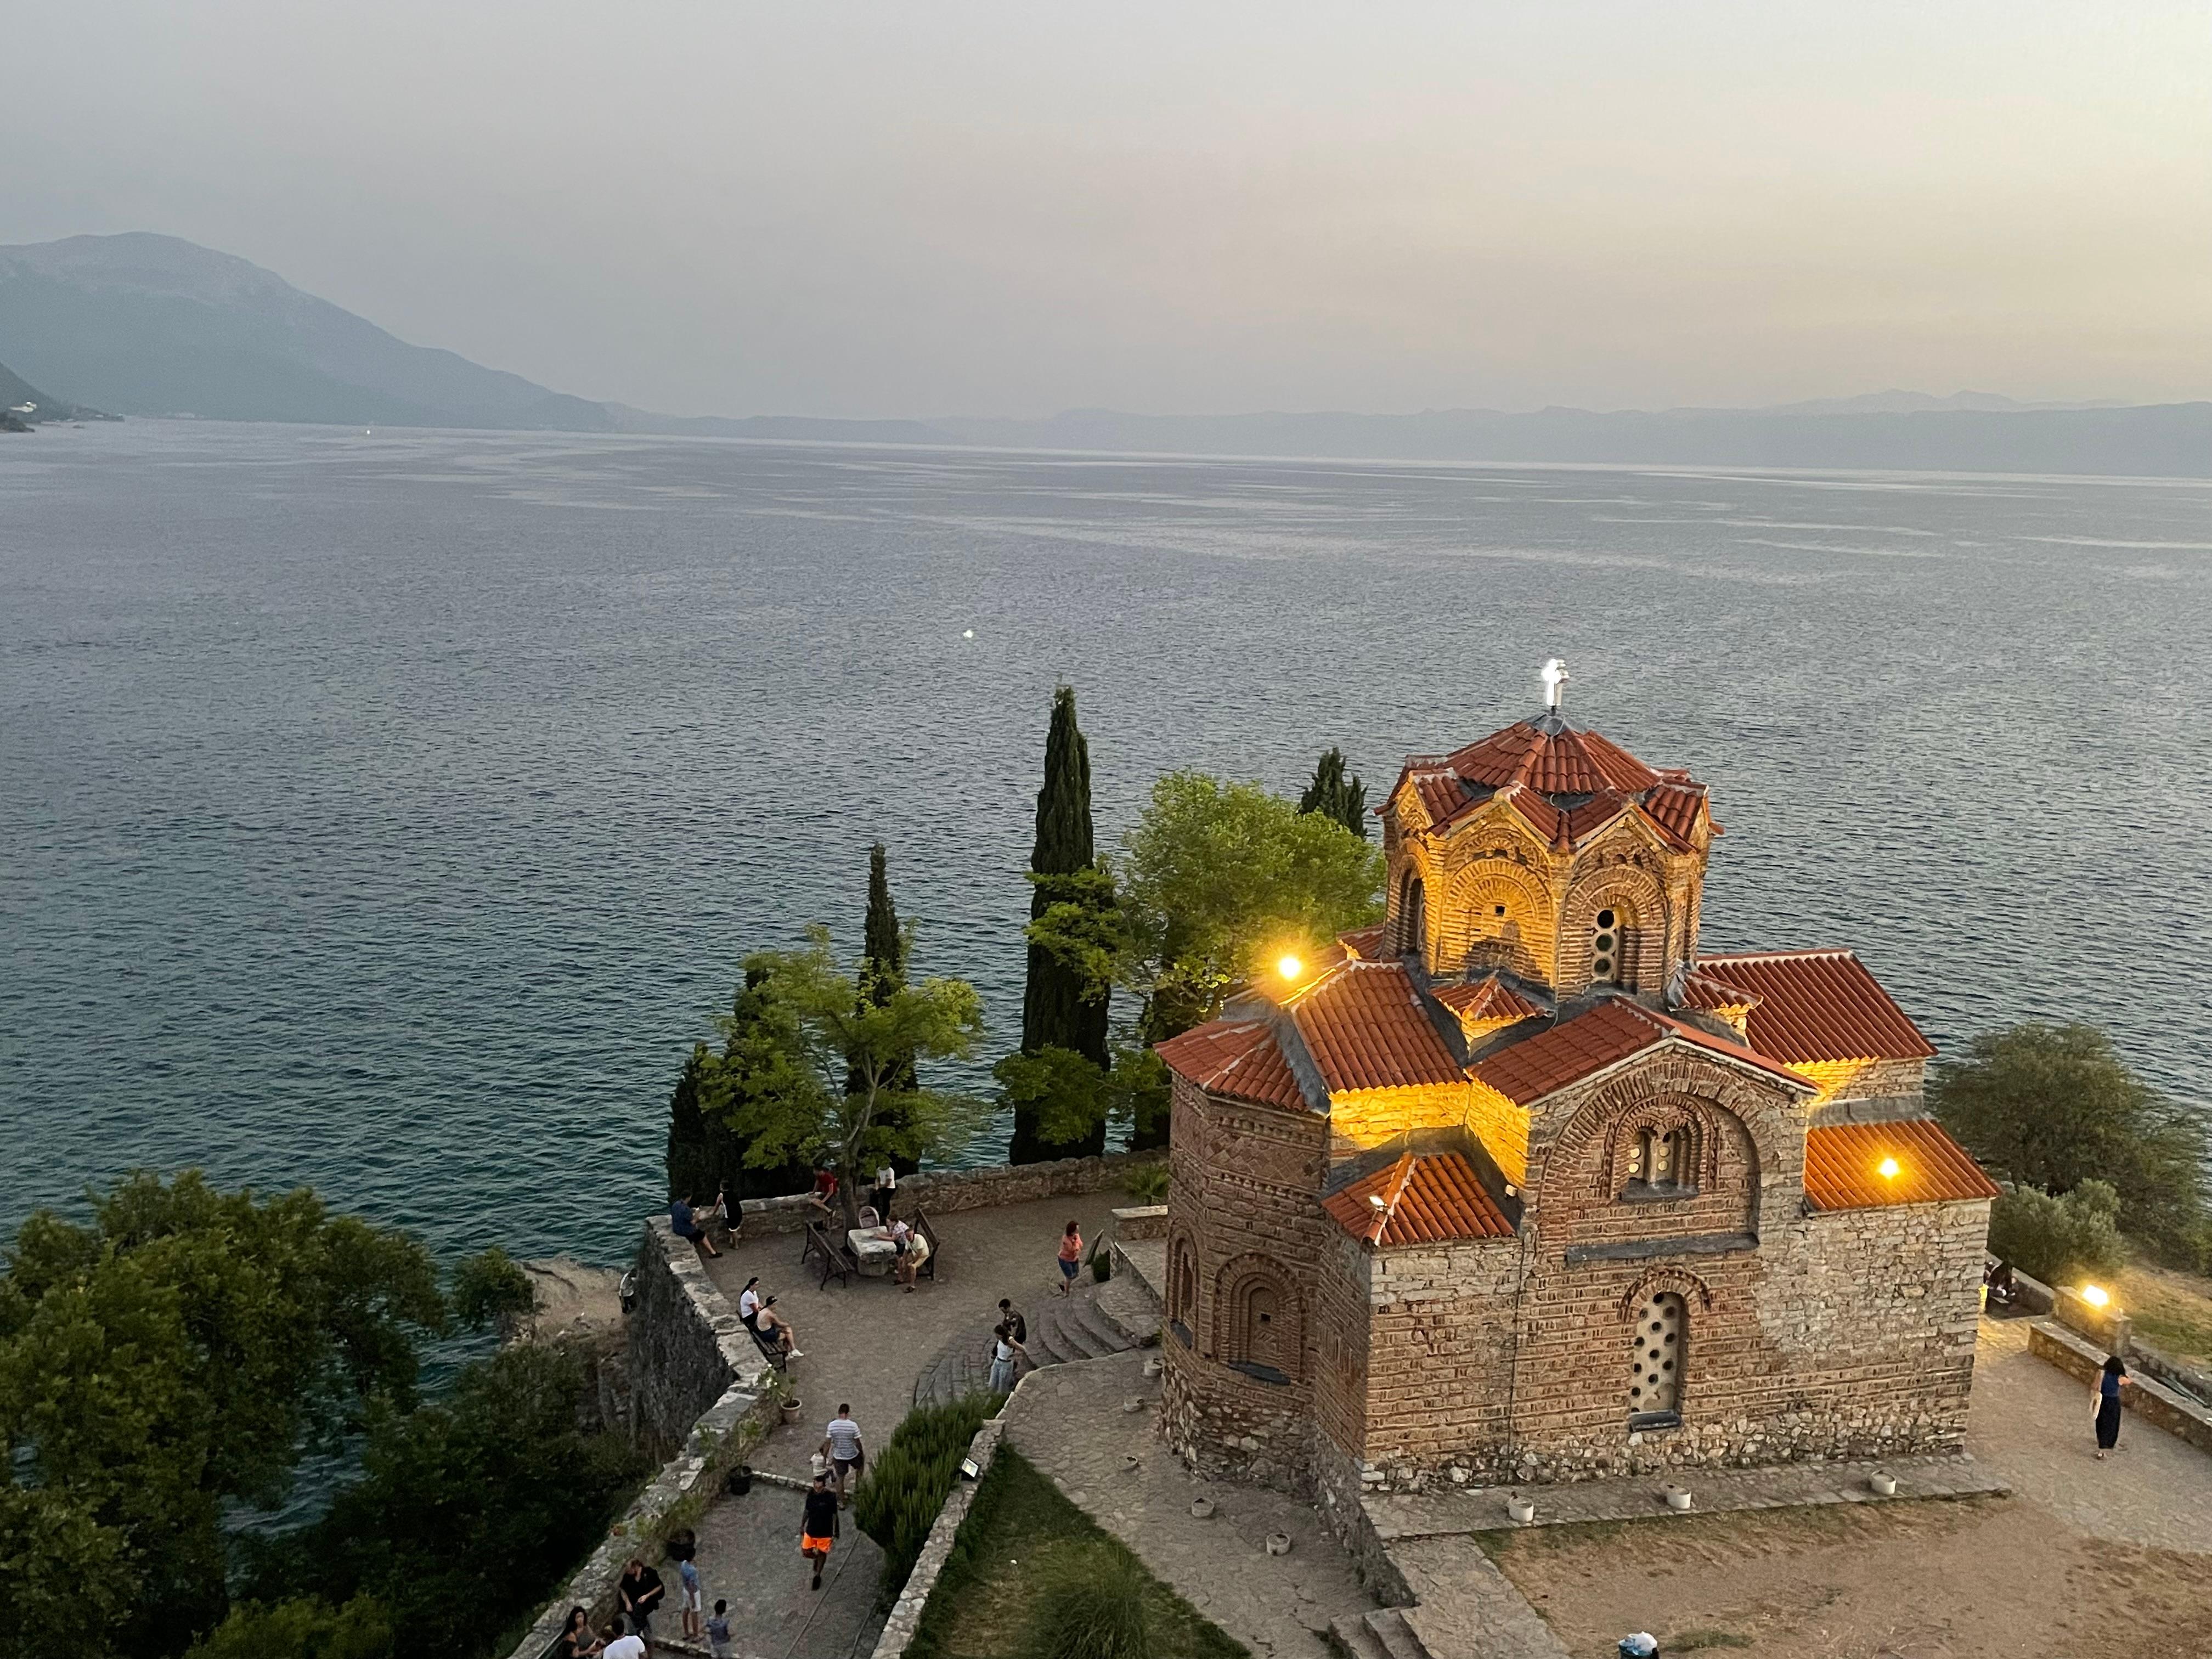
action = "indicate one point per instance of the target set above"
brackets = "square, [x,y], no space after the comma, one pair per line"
[942,1192]
[2148,1399]
[697,1379]
[906,1614]
[1141,1221]
[687,1347]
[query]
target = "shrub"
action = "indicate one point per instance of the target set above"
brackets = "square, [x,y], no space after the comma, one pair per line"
[2054,1239]
[303,1629]
[1091,1604]
[1148,1184]
[489,1287]
[909,1480]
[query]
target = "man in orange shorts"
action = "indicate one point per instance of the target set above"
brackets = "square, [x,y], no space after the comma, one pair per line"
[817,1532]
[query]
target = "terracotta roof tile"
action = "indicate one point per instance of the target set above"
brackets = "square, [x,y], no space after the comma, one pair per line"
[1365,944]
[1239,1059]
[1489,998]
[1550,756]
[1427,1198]
[1703,989]
[1442,794]
[1672,809]
[1844,1166]
[1601,1036]
[1365,1028]
[1596,813]
[1545,819]
[1817,1006]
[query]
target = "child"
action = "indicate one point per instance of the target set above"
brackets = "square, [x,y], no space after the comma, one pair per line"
[718,1630]
[687,1573]
[818,1531]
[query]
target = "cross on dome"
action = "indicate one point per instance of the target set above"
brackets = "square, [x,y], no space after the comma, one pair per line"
[1554,676]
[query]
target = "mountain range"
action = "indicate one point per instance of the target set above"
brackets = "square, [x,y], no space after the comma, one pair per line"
[148,325]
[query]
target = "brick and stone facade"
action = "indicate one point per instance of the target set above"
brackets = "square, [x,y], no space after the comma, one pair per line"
[1517,1188]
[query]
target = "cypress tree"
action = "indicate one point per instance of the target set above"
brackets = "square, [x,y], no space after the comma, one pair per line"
[1335,796]
[883,970]
[1054,1013]
[690,1173]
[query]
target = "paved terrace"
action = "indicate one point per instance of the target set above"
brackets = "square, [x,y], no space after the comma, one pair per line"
[868,1342]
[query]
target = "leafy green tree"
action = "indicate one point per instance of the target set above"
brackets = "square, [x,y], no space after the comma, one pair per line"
[1073,912]
[1335,796]
[793,1094]
[468,1509]
[2057,1239]
[707,1154]
[308,1628]
[2053,1106]
[1220,878]
[490,1288]
[174,1358]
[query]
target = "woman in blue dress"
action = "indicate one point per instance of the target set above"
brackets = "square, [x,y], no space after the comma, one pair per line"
[2107,1396]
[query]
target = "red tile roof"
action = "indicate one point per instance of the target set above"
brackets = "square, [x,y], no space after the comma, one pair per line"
[1365,1028]
[1427,1198]
[1487,998]
[1239,1059]
[1551,755]
[1817,1005]
[1673,808]
[1442,794]
[1363,943]
[1603,1036]
[1842,1166]
[1704,989]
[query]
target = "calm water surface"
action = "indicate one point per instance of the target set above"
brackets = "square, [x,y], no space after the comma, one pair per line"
[390,811]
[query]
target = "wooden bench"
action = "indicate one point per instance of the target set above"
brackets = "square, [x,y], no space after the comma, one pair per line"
[769,1352]
[838,1261]
[921,1224]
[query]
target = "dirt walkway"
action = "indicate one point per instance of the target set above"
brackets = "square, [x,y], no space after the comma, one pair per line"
[2088,1560]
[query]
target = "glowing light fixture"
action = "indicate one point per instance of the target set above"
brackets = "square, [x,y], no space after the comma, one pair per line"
[1888,1168]
[1290,967]
[2095,1295]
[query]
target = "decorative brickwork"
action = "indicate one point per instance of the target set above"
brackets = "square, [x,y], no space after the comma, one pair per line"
[1616,1266]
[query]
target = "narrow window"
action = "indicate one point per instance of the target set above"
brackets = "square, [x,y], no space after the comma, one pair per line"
[1657,1349]
[1605,949]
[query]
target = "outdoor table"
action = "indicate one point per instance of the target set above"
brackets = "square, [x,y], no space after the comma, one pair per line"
[872,1249]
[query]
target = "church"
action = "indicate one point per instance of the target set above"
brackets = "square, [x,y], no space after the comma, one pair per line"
[1519,1186]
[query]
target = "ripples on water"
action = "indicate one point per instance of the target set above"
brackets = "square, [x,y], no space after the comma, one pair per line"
[390,812]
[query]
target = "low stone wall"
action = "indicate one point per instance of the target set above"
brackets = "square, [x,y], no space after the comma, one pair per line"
[724,1434]
[697,1379]
[1141,1222]
[687,1345]
[2148,1399]
[942,1192]
[906,1614]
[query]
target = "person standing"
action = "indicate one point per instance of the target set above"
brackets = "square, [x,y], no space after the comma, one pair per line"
[577,1639]
[718,1631]
[817,1528]
[639,1593]
[847,1458]
[687,1582]
[1010,1317]
[886,1190]
[2105,1398]
[619,1646]
[1071,1256]
[1005,1351]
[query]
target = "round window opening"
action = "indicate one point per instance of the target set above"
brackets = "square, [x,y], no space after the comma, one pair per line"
[1605,918]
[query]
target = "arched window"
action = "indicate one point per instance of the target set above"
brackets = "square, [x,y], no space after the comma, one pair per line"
[1261,1325]
[1183,1293]
[1662,1164]
[1659,1346]
[1412,916]
[1606,956]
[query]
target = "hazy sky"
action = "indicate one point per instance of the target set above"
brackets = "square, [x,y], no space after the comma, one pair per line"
[924,207]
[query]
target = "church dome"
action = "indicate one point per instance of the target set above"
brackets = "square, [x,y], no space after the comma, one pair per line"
[1548,755]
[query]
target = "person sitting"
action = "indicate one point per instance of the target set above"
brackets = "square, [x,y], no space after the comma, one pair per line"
[825,1189]
[775,1330]
[2002,1290]
[913,1252]
[680,1217]
[749,1303]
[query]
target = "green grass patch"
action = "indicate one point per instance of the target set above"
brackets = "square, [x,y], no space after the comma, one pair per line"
[1007,1580]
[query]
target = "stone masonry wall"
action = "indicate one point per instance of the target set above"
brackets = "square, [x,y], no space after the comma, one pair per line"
[942,1192]
[1242,1203]
[1440,1394]
[687,1347]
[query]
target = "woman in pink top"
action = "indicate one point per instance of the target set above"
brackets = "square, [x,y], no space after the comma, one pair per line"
[1071,1255]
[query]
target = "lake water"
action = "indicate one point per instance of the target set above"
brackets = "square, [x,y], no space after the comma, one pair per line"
[390,811]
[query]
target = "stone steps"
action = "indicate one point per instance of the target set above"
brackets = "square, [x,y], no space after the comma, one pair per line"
[1394,1635]
[1061,1329]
